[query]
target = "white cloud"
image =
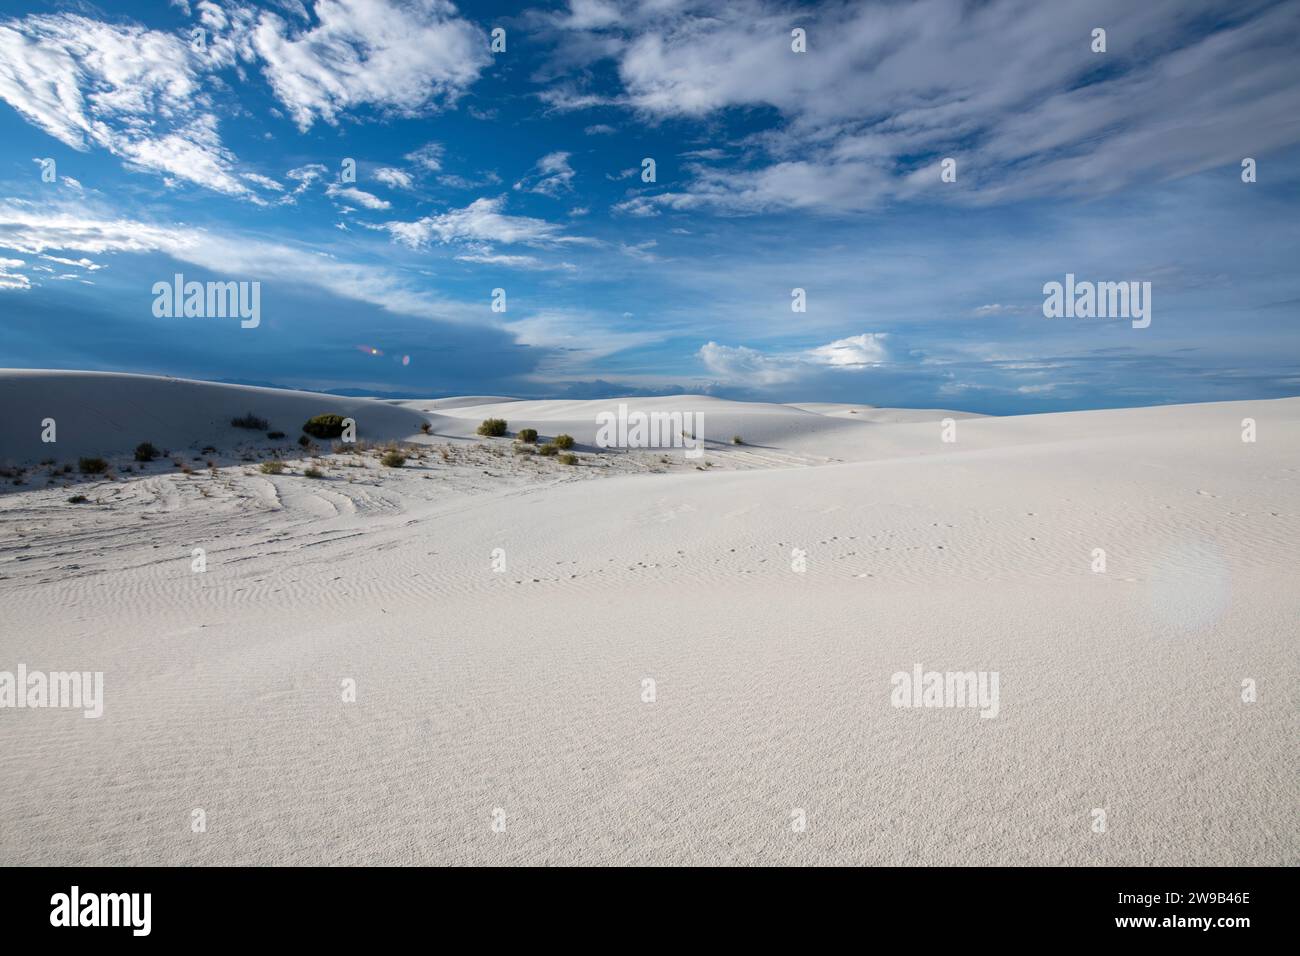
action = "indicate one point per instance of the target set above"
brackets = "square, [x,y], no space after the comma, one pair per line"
[1008,89]
[359,196]
[551,176]
[407,58]
[745,366]
[858,351]
[394,178]
[29,229]
[428,157]
[13,280]
[531,263]
[997,308]
[480,221]
[580,336]
[266,182]
[304,176]
[740,365]
[88,264]
[125,89]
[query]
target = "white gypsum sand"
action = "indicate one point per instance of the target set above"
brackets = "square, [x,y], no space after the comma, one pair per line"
[522,689]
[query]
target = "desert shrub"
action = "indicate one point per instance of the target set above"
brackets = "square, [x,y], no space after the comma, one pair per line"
[92,466]
[426,427]
[275,436]
[525,450]
[78,499]
[206,450]
[528,435]
[324,426]
[271,467]
[737,440]
[550,448]
[251,422]
[563,441]
[493,427]
[304,441]
[568,458]
[313,472]
[393,459]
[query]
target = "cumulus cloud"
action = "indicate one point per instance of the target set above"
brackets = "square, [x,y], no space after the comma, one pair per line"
[480,221]
[394,178]
[406,58]
[744,366]
[858,351]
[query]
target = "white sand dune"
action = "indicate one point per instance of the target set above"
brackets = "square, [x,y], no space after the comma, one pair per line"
[512,679]
[105,413]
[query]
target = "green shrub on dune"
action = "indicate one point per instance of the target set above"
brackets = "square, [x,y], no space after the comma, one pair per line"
[324,426]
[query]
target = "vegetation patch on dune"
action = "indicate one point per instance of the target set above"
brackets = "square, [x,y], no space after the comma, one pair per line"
[493,427]
[251,422]
[324,426]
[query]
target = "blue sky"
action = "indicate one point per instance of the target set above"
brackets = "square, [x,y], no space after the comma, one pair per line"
[775,170]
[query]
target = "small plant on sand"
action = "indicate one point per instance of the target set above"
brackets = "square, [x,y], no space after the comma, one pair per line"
[528,435]
[426,427]
[525,450]
[312,472]
[324,426]
[78,500]
[737,440]
[251,422]
[563,441]
[493,427]
[145,451]
[393,459]
[92,466]
[304,441]
[275,436]
[271,467]
[549,449]
[568,458]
